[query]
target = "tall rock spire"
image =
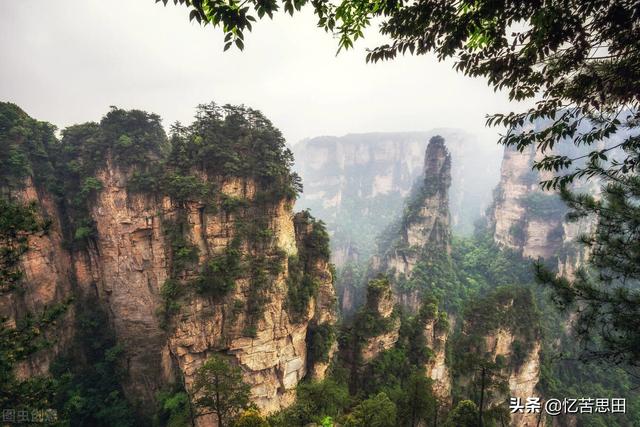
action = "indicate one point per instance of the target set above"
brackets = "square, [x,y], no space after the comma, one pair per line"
[427,220]
[423,232]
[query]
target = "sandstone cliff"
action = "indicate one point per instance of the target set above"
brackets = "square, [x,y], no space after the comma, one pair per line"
[35,268]
[45,281]
[436,333]
[523,217]
[357,183]
[423,234]
[499,345]
[382,327]
[188,256]
[530,221]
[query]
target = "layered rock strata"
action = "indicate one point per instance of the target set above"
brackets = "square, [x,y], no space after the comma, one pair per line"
[129,258]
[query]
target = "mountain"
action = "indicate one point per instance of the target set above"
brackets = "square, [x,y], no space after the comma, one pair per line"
[357,183]
[143,256]
[422,237]
[415,270]
[138,271]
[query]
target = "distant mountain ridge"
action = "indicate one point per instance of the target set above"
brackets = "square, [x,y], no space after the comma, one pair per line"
[356,183]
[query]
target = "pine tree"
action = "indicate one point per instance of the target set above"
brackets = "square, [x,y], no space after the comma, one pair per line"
[605,294]
[219,389]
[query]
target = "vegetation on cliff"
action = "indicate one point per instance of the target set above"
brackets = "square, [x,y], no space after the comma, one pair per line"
[219,389]
[578,59]
[302,282]
[225,144]
[25,147]
[89,374]
[23,154]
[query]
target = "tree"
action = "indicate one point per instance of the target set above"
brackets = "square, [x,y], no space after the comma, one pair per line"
[465,414]
[605,293]
[579,60]
[377,411]
[251,418]
[219,389]
[419,404]
[316,401]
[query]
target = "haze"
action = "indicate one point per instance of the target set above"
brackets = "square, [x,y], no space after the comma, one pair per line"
[67,61]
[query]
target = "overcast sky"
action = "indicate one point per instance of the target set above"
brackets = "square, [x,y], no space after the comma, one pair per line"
[67,61]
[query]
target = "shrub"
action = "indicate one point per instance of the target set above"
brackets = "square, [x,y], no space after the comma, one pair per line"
[220,273]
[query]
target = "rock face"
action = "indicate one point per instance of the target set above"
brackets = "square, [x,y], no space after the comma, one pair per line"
[501,330]
[380,303]
[531,221]
[523,378]
[127,265]
[423,229]
[425,226]
[430,223]
[423,238]
[46,280]
[130,263]
[357,183]
[131,257]
[436,337]
[523,217]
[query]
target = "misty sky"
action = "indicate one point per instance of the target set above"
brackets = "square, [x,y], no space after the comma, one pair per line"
[67,61]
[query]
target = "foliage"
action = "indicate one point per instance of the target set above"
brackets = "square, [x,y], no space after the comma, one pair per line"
[184,254]
[17,343]
[231,204]
[351,278]
[412,337]
[434,274]
[220,272]
[316,242]
[606,291]
[251,418]
[508,307]
[170,292]
[368,321]
[314,402]
[544,205]
[320,339]
[134,139]
[301,287]
[465,414]
[477,373]
[563,375]
[417,404]
[173,408]
[219,389]
[17,222]
[236,141]
[25,145]
[303,278]
[388,372]
[377,411]
[481,265]
[31,332]
[260,282]
[89,391]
